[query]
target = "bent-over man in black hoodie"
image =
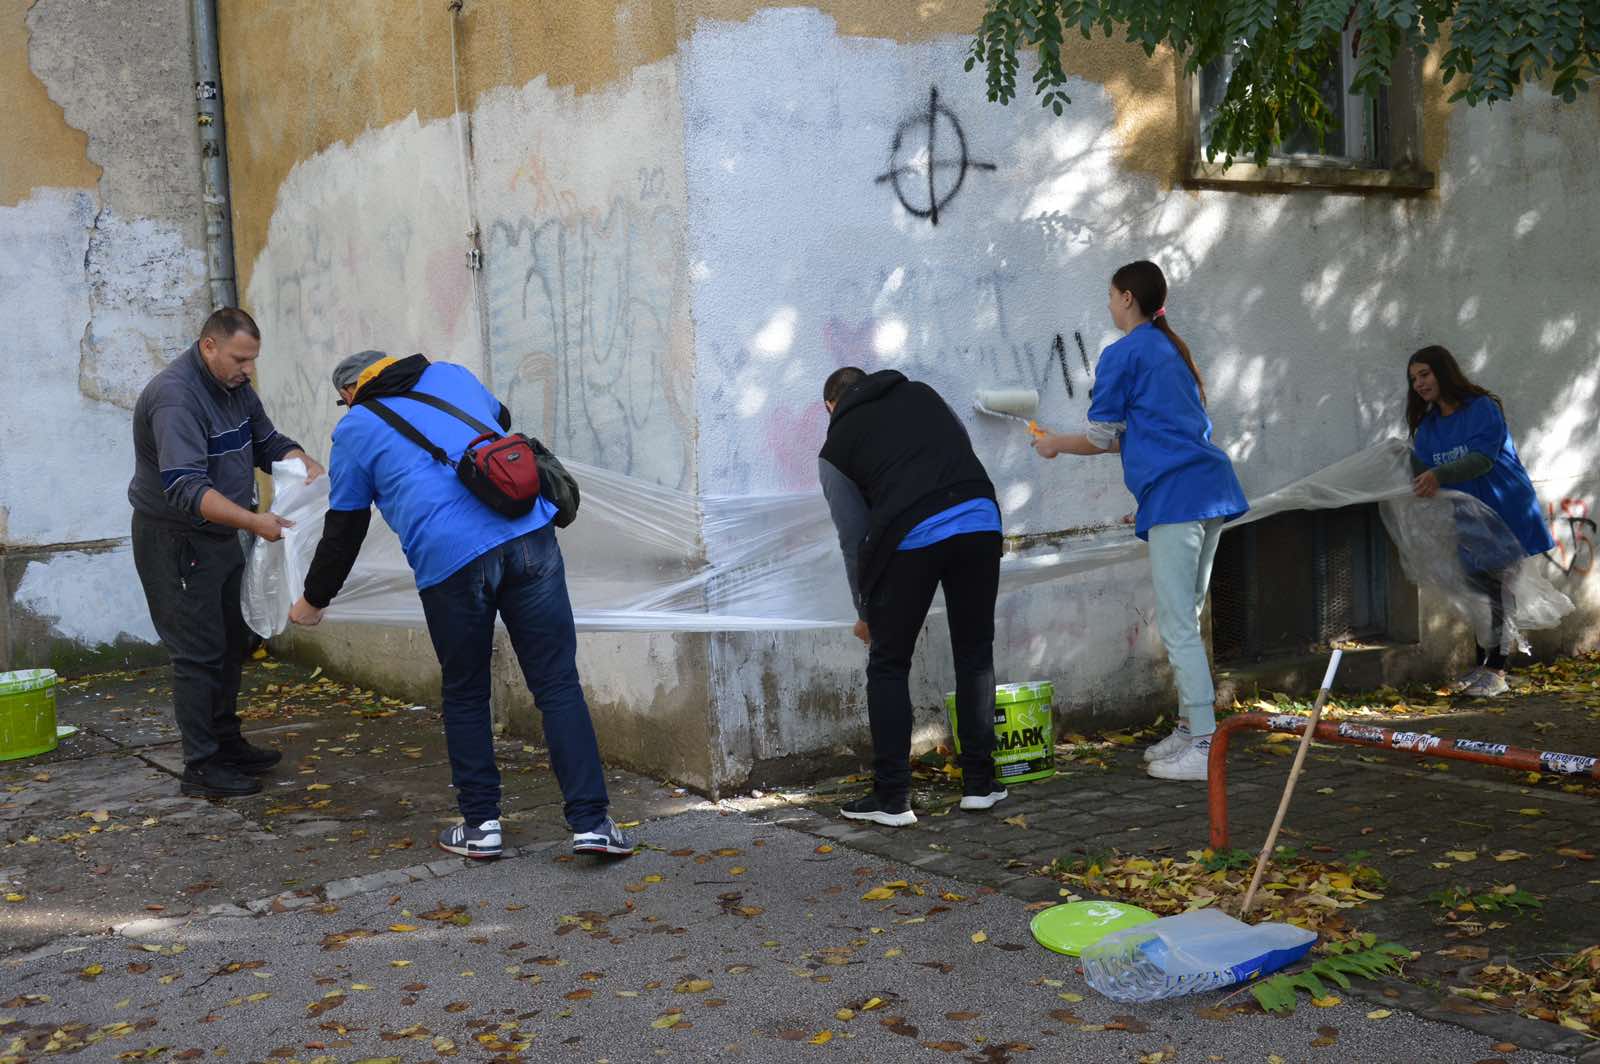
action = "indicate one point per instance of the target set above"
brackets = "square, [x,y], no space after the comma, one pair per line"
[915,511]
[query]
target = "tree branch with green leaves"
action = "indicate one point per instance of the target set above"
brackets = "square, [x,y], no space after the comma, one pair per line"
[1280,52]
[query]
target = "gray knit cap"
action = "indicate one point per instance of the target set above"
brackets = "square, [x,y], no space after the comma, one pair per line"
[349,369]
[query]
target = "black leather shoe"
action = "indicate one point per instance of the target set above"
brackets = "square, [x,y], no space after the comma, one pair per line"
[214,779]
[247,758]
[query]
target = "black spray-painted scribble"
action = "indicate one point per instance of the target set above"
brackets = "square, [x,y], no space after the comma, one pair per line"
[918,139]
[1058,347]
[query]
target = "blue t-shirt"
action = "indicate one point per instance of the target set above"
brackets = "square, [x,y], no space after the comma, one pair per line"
[974,515]
[442,526]
[1478,425]
[1168,460]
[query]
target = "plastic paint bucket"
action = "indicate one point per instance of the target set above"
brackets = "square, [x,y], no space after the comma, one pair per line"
[27,713]
[1024,731]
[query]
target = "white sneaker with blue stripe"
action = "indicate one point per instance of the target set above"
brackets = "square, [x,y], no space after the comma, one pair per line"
[481,841]
[604,838]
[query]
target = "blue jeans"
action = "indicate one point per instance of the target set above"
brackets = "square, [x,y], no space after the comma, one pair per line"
[525,582]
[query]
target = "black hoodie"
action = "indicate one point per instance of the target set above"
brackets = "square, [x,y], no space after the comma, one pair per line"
[908,454]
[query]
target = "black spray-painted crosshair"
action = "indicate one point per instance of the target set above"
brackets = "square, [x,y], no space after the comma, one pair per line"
[928,126]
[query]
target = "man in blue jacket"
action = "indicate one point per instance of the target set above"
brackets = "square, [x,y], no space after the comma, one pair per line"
[916,512]
[471,564]
[199,435]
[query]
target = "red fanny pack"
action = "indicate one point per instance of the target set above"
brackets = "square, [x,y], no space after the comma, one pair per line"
[501,470]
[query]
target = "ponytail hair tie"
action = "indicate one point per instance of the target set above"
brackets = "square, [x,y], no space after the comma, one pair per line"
[1161,312]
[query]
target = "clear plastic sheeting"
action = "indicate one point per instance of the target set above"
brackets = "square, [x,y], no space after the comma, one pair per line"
[646,558]
[275,573]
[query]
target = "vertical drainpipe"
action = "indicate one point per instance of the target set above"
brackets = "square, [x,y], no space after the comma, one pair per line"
[213,155]
[498,692]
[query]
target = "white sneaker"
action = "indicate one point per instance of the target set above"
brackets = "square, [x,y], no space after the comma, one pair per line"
[1192,763]
[1489,684]
[1465,680]
[976,802]
[1172,744]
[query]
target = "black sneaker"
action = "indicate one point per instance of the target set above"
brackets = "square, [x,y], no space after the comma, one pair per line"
[891,814]
[246,757]
[214,779]
[604,838]
[482,841]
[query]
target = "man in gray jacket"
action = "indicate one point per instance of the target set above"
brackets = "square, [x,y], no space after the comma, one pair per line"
[199,434]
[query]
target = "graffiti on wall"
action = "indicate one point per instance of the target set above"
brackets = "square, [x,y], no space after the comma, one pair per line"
[581,319]
[928,160]
[1574,532]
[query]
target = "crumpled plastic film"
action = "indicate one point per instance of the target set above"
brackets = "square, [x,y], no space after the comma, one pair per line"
[646,558]
[275,573]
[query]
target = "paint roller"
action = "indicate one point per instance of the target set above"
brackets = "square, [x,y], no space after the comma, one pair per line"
[1019,404]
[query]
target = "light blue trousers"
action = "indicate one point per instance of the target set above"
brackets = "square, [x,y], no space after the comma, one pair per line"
[1180,563]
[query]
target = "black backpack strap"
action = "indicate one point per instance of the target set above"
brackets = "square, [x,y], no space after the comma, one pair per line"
[449,408]
[408,430]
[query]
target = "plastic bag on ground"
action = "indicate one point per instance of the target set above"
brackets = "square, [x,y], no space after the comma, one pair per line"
[1200,950]
[275,573]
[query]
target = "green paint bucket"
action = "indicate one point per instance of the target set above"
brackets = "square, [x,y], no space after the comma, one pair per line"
[27,713]
[1024,731]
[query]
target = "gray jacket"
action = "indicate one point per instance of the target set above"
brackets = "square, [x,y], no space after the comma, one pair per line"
[848,508]
[191,434]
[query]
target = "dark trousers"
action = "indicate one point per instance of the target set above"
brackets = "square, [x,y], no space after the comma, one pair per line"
[1492,585]
[191,581]
[968,568]
[524,581]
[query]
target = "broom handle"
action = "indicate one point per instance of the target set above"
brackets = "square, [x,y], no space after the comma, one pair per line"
[1288,791]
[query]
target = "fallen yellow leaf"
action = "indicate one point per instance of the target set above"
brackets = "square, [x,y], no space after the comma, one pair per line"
[980,936]
[1067,996]
[1326,1002]
[822,1038]
[320,787]
[1511,855]
[402,928]
[1462,855]
[399,964]
[1379,1014]
[671,1019]
[878,894]
[1531,811]
[845,1014]
[14,898]
[871,1003]
[693,986]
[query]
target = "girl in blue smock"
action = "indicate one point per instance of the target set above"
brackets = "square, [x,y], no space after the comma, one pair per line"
[1148,403]
[1460,441]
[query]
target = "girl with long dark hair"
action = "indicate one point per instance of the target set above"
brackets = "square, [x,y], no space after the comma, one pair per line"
[1149,404]
[1460,441]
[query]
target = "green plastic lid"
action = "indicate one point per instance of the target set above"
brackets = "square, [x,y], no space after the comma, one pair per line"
[16,683]
[1071,927]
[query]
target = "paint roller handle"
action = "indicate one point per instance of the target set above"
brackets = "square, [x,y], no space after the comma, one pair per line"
[1333,667]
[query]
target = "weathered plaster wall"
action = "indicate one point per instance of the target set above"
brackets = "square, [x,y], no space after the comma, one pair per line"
[102,279]
[689,215]
[1302,309]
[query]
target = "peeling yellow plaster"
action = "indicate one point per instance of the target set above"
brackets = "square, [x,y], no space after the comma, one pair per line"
[302,75]
[37,147]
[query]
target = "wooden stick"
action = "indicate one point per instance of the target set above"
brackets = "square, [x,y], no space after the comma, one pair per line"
[1288,790]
